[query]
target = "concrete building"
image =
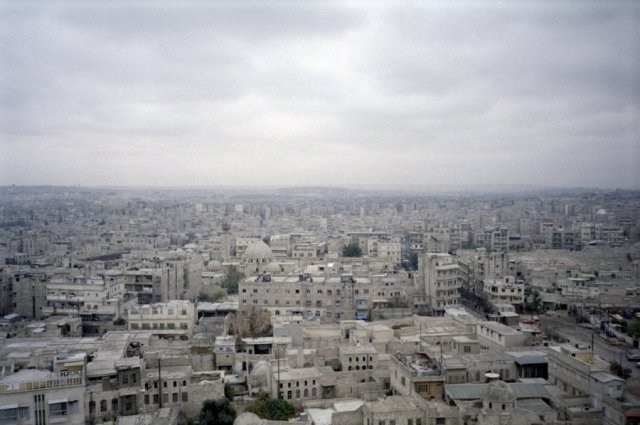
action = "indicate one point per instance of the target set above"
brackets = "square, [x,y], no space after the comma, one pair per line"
[506,290]
[174,319]
[440,279]
[35,396]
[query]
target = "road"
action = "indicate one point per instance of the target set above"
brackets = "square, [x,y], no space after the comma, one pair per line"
[567,327]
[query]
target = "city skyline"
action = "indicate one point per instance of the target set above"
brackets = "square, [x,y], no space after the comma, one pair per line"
[320,94]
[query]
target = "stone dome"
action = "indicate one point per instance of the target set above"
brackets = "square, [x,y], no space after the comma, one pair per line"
[258,251]
[499,391]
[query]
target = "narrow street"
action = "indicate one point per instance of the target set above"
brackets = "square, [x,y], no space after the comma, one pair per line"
[577,334]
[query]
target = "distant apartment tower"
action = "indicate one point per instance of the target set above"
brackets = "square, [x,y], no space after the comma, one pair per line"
[493,239]
[441,278]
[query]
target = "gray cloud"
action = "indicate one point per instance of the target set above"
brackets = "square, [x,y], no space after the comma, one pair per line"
[188,93]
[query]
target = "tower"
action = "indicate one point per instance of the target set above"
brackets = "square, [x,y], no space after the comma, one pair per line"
[226,247]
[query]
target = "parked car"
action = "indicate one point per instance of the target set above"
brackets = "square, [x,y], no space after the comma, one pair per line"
[633,357]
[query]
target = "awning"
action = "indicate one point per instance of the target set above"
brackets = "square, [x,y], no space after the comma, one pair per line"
[8,407]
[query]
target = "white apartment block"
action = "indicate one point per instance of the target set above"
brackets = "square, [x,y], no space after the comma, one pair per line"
[174,319]
[79,295]
[321,298]
[441,280]
[504,290]
[36,397]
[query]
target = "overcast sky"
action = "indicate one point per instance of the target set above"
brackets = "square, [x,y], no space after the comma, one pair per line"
[314,93]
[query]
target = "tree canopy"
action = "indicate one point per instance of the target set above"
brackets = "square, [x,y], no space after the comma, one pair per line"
[351,250]
[231,280]
[272,409]
[217,412]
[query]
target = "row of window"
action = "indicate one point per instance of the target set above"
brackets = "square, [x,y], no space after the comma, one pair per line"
[165,384]
[297,383]
[175,397]
[304,393]
[156,310]
[155,325]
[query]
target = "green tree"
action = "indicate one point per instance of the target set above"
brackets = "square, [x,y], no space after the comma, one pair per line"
[204,297]
[229,392]
[272,409]
[217,412]
[618,369]
[351,250]
[633,328]
[534,304]
[231,280]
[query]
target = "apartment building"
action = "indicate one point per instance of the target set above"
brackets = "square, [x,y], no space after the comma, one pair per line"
[174,319]
[36,396]
[505,290]
[441,278]
[317,297]
[416,374]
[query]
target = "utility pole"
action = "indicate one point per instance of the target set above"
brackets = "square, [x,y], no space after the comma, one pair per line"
[159,383]
[278,360]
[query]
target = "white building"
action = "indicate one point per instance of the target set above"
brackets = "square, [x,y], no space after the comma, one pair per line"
[174,319]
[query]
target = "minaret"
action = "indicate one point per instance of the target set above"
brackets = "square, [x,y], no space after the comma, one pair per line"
[226,247]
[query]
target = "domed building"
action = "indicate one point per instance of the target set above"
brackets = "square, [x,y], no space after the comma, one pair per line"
[257,257]
[498,396]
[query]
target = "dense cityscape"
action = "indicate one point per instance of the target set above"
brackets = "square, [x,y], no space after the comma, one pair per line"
[319,212]
[348,306]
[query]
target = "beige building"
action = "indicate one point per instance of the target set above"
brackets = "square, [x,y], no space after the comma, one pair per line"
[174,319]
[441,278]
[36,396]
[505,290]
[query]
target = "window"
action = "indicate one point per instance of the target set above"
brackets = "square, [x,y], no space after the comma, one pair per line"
[134,326]
[440,421]
[392,422]
[156,399]
[382,423]
[185,396]
[146,399]
[8,416]
[418,421]
[313,392]
[57,410]
[174,397]
[467,348]
[288,395]
[23,413]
